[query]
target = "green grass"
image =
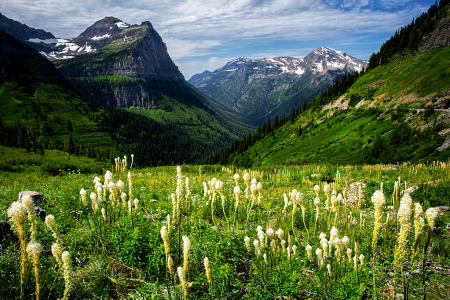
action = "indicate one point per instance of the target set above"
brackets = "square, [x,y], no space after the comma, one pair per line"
[123,257]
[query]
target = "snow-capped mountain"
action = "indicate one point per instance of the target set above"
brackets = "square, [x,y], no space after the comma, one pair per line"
[265,87]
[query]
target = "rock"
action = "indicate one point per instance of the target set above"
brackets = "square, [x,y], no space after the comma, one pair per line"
[153,200]
[410,190]
[6,233]
[442,209]
[40,213]
[35,196]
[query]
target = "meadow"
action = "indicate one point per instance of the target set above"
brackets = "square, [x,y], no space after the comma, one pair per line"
[203,232]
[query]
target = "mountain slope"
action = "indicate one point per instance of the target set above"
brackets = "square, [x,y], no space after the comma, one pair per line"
[396,112]
[129,67]
[42,110]
[265,88]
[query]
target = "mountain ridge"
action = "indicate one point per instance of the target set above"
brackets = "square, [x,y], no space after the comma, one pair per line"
[265,87]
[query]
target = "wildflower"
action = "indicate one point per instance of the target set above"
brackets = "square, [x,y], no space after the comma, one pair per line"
[329,269]
[237,192]
[104,214]
[283,244]
[257,249]
[349,254]
[265,258]
[319,257]
[136,203]
[254,181]
[378,202]
[361,260]
[325,249]
[130,186]
[270,233]
[83,196]
[404,216]
[186,248]
[165,238]
[120,185]
[334,202]
[99,193]
[207,269]
[309,251]
[170,265]
[51,224]
[96,180]
[236,178]
[247,243]
[327,189]
[431,214]
[57,251]
[355,262]
[259,187]
[34,250]
[280,233]
[205,188]
[67,272]
[247,181]
[129,207]
[334,234]
[123,196]
[184,284]
[317,204]
[317,189]
[294,250]
[322,235]
[346,241]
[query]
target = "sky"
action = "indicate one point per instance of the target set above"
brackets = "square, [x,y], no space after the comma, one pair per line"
[205,34]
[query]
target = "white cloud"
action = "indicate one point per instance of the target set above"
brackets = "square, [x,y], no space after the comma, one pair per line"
[182,48]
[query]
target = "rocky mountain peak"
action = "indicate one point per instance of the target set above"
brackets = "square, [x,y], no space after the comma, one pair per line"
[104,28]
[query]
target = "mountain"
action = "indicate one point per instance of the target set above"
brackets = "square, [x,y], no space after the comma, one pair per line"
[397,111]
[268,87]
[41,111]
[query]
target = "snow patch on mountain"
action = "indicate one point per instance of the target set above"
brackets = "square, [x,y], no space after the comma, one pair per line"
[122,25]
[101,37]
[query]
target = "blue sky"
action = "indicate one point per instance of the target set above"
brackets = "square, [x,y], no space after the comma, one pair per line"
[204,35]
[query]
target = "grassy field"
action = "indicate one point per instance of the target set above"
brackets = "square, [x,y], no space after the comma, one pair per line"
[116,250]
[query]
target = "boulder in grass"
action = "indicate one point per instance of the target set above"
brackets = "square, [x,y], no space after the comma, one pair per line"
[6,234]
[35,196]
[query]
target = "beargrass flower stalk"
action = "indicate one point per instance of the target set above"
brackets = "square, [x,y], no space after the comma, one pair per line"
[57,251]
[83,197]
[236,179]
[260,188]
[265,258]
[170,266]
[253,190]
[333,203]
[378,201]
[355,263]
[182,276]
[361,260]
[213,200]
[338,244]
[418,227]
[294,250]
[104,214]
[431,215]
[317,189]
[96,180]
[205,189]
[188,194]
[104,188]
[317,204]
[325,249]
[280,233]
[327,190]
[288,251]
[93,197]
[273,245]
[186,248]
[404,216]
[329,269]
[261,240]
[247,243]
[28,202]
[257,248]
[270,233]
[247,183]
[123,196]
[108,177]
[283,244]
[17,213]
[120,185]
[130,186]
[346,241]
[219,188]
[67,272]
[51,224]
[207,271]
[320,260]
[136,203]
[34,250]
[308,249]
[130,206]
[113,192]
[99,193]
[349,255]
[174,208]
[165,238]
